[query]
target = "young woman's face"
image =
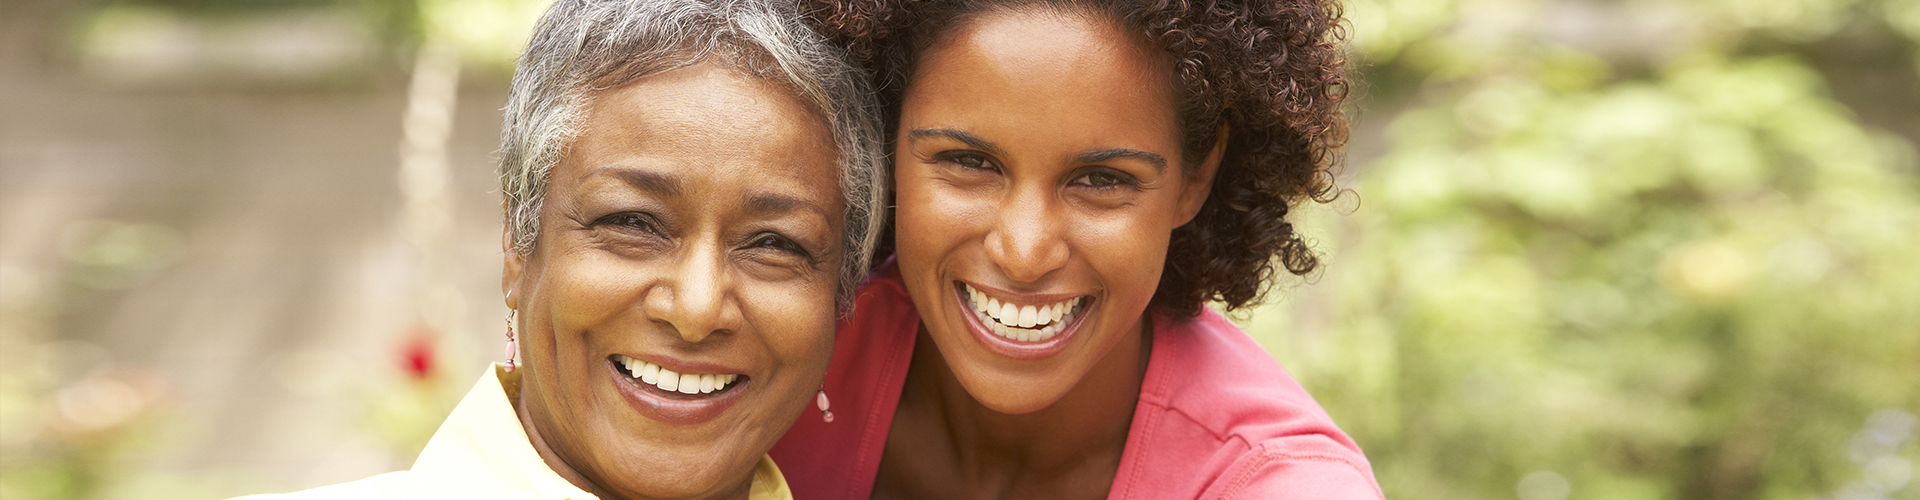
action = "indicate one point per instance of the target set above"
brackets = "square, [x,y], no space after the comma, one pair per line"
[677,311]
[1039,178]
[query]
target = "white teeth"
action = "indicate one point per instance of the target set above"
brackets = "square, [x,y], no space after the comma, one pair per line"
[1022,323]
[670,381]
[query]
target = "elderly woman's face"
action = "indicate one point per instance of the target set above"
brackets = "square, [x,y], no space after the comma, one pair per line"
[1039,179]
[678,306]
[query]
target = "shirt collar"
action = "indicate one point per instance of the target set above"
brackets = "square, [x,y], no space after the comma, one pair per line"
[483,447]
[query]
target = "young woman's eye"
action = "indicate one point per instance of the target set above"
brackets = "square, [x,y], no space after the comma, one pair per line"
[970,161]
[1103,179]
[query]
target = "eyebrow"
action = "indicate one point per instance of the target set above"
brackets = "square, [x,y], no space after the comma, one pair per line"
[1104,155]
[669,186]
[1096,156]
[770,203]
[651,182]
[971,140]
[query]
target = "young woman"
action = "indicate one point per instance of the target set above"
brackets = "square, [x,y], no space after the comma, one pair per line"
[1073,181]
[690,189]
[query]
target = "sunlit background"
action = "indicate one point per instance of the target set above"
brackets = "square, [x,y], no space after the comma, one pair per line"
[1595,249]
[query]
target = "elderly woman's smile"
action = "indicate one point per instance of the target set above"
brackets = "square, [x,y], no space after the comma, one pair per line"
[672,383]
[679,298]
[677,396]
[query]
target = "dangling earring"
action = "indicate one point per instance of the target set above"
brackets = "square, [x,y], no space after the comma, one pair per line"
[513,349]
[820,398]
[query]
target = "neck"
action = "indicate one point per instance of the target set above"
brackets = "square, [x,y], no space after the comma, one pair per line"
[547,454]
[579,480]
[1085,428]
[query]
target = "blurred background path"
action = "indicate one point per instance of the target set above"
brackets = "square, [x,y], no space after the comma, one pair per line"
[208,284]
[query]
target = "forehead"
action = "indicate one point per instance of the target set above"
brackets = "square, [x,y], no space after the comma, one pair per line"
[713,125]
[1054,70]
[1072,38]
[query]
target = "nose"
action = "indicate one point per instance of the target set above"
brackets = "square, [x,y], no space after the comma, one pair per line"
[693,298]
[1026,240]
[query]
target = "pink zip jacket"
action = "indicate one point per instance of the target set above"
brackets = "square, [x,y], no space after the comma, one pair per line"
[1217,417]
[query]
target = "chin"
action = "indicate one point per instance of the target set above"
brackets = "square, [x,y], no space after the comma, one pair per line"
[635,457]
[1026,389]
[646,475]
[1017,400]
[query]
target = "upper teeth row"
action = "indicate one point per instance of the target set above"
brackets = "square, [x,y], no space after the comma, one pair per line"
[1020,316]
[667,380]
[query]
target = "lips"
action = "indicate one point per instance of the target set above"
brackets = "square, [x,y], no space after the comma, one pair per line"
[670,396]
[1021,329]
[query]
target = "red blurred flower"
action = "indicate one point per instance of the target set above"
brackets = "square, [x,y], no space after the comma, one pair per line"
[417,354]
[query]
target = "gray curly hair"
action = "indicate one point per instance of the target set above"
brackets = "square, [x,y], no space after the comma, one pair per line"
[580,46]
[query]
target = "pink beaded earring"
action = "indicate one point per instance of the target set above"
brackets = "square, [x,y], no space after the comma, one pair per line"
[820,398]
[511,348]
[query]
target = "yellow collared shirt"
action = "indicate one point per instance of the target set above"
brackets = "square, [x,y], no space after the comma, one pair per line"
[481,452]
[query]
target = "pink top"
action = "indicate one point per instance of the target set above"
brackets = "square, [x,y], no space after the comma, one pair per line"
[1217,417]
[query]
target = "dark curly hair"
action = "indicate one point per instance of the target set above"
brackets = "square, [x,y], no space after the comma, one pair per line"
[1273,71]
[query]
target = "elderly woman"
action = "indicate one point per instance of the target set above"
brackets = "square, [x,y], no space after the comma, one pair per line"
[690,192]
[1074,180]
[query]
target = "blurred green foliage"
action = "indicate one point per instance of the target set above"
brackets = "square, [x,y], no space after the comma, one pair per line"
[1619,249]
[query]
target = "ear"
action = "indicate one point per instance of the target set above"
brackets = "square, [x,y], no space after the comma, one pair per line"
[510,273]
[1199,182]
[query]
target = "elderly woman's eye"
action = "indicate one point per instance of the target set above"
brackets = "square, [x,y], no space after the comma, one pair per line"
[777,242]
[631,220]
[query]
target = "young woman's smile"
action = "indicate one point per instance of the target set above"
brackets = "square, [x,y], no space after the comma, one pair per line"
[1015,327]
[1039,177]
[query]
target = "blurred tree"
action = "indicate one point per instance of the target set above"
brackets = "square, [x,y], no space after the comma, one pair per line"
[1625,249]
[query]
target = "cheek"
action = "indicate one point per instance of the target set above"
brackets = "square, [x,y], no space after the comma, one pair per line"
[585,289]
[795,323]
[1128,250]
[796,328]
[931,218]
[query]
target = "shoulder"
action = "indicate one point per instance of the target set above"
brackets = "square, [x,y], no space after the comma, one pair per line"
[1297,467]
[881,299]
[1209,370]
[881,326]
[1219,418]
